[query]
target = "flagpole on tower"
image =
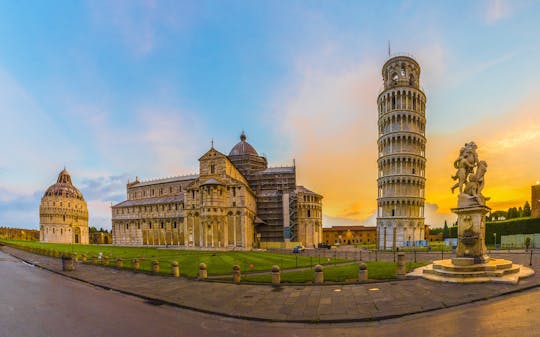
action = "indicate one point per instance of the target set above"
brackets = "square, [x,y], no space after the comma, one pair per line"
[389,48]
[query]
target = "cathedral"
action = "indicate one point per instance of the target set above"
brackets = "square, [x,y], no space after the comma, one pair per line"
[235,202]
[63,214]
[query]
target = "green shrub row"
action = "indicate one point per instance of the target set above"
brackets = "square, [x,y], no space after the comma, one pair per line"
[511,227]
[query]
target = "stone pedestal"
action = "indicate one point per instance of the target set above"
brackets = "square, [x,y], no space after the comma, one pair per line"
[319,275]
[471,232]
[472,264]
[276,275]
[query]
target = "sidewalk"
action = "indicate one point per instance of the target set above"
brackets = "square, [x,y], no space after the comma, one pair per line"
[296,303]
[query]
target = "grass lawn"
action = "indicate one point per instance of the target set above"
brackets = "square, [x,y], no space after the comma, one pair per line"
[376,270]
[218,263]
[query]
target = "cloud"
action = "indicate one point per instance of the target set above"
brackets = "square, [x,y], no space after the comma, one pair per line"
[30,139]
[331,120]
[19,210]
[142,25]
[507,142]
[328,115]
[22,210]
[498,10]
[110,188]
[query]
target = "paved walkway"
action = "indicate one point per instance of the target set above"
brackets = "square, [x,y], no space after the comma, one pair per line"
[296,303]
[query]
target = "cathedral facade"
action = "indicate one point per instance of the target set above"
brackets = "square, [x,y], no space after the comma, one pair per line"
[235,201]
[63,214]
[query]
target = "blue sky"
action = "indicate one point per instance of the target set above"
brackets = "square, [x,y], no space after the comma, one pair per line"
[115,89]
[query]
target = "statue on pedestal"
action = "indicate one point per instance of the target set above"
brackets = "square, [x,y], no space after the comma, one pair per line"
[472,264]
[470,182]
[471,208]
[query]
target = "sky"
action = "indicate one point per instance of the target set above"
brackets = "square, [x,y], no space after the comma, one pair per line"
[117,89]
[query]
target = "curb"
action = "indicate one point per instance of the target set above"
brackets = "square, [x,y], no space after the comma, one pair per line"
[261,319]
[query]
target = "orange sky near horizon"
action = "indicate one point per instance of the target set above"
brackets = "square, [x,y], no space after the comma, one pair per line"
[336,154]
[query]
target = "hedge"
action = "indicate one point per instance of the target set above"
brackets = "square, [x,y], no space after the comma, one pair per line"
[511,227]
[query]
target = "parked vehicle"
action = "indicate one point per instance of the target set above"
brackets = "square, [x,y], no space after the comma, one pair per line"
[298,249]
[324,245]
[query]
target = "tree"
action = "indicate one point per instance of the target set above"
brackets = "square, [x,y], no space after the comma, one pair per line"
[526,209]
[520,212]
[446,231]
[498,214]
[513,213]
[453,231]
[527,243]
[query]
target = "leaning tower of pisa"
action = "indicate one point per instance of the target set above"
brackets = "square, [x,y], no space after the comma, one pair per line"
[401,155]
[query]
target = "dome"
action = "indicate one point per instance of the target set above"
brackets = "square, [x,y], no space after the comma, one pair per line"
[243,147]
[64,187]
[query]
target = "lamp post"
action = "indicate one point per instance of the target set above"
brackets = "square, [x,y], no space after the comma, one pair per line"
[495,239]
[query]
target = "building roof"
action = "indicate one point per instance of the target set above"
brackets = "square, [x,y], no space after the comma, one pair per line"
[277,170]
[151,201]
[212,181]
[302,189]
[165,180]
[351,228]
[243,148]
[64,187]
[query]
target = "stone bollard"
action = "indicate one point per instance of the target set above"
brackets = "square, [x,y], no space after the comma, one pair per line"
[67,263]
[84,257]
[136,265]
[105,260]
[203,273]
[362,273]
[400,265]
[119,263]
[94,260]
[155,267]
[319,275]
[75,257]
[236,273]
[175,269]
[276,275]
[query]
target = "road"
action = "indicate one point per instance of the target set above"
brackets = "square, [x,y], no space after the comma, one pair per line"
[35,302]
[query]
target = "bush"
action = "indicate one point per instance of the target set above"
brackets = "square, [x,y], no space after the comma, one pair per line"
[510,227]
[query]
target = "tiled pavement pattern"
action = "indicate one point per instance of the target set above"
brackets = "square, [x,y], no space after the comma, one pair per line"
[293,303]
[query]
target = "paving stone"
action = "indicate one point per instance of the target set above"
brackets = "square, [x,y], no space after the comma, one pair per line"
[299,303]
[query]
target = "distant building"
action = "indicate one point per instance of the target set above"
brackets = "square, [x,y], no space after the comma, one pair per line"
[63,214]
[19,234]
[535,201]
[349,235]
[235,201]
[101,238]
[432,237]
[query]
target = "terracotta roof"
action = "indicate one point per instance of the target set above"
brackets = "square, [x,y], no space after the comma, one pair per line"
[352,228]
[302,189]
[151,201]
[166,180]
[243,147]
